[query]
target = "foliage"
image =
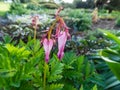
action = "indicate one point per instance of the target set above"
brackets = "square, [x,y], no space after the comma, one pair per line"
[111,55]
[13,66]
[79,20]
[87,42]
[67,5]
[118,22]
[112,5]
[33,6]
[17,31]
[17,8]
[115,14]
[82,4]
[22,67]
[110,81]
[79,71]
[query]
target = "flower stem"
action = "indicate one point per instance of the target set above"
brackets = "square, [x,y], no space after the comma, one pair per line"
[51,28]
[35,34]
[44,80]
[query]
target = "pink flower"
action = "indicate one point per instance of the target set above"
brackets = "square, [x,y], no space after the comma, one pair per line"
[62,38]
[47,45]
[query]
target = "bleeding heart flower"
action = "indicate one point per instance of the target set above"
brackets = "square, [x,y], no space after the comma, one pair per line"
[62,38]
[47,45]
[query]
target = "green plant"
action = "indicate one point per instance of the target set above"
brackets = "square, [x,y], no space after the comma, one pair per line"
[79,20]
[33,6]
[17,8]
[12,68]
[88,42]
[79,71]
[22,67]
[17,32]
[110,82]
[111,55]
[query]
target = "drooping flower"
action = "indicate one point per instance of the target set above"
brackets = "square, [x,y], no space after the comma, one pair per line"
[62,33]
[47,45]
[62,38]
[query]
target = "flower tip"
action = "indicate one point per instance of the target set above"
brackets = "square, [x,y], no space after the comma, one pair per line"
[46,60]
[60,55]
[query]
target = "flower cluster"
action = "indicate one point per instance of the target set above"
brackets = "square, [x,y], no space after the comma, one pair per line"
[61,35]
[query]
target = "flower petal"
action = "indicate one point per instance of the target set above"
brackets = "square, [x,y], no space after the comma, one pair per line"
[62,38]
[47,45]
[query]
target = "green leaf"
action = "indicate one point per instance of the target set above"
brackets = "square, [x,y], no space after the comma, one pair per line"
[55,87]
[4,51]
[7,73]
[69,58]
[95,87]
[114,66]
[17,52]
[54,78]
[7,39]
[111,36]
[56,68]
[87,69]
[112,82]
[81,88]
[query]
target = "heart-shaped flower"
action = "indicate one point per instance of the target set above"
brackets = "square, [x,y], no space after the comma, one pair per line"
[47,45]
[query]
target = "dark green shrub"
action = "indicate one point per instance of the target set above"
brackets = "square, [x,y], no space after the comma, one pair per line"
[67,5]
[25,1]
[17,8]
[79,20]
[81,4]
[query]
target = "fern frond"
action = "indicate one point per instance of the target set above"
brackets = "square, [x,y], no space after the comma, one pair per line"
[55,87]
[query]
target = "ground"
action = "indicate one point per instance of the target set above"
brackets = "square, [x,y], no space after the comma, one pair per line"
[105,24]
